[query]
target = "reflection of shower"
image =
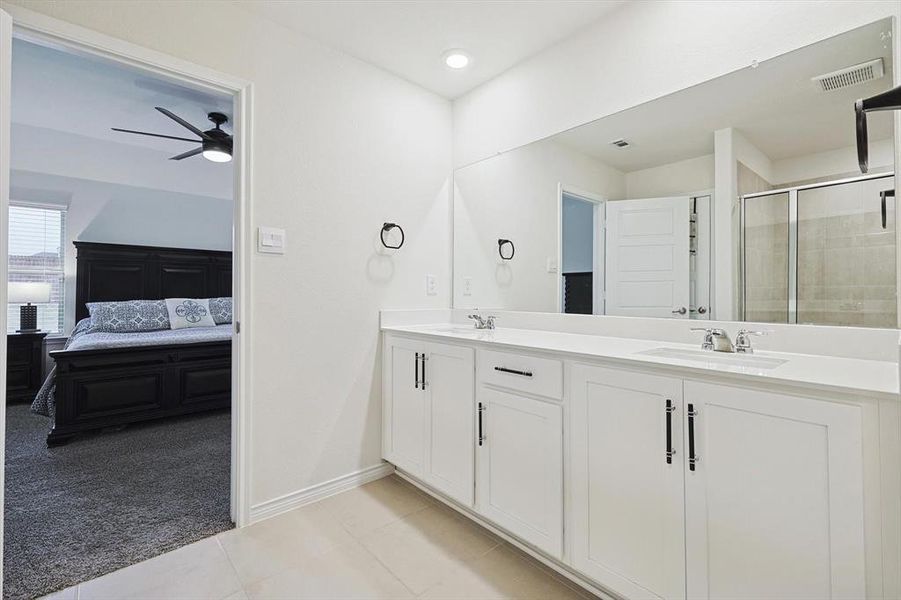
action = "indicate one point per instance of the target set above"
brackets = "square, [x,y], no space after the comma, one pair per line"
[822,253]
[889,100]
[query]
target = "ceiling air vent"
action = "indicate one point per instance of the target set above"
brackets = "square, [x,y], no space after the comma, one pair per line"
[868,71]
[620,143]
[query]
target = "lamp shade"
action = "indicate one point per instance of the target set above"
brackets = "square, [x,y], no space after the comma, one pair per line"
[21,292]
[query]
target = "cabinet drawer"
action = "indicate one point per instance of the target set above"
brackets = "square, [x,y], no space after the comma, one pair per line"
[542,376]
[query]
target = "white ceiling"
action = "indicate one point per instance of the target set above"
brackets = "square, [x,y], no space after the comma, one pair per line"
[87,96]
[71,101]
[410,38]
[776,106]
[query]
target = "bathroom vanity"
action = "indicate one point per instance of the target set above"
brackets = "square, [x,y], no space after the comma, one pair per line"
[653,469]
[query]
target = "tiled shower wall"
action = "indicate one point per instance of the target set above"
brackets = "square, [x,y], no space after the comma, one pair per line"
[846,260]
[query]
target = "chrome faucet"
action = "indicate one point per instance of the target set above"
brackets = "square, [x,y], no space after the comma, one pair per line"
[483,323]
[743,340]
[715,339]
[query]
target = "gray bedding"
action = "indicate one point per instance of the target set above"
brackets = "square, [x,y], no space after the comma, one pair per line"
[84,338]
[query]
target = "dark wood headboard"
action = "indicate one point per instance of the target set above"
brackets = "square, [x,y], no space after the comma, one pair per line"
[110,272]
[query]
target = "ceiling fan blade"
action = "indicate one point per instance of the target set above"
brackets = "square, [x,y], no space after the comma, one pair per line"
[188,154]
[159,135]
[183,123]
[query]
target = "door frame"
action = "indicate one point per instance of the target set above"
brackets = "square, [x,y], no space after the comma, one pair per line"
[31,25]
[597,252]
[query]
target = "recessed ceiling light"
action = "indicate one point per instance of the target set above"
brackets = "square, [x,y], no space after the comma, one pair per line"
[456,59]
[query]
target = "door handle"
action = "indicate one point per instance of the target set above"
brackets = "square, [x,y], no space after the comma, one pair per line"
[679,311]
[423,358]
[670,451]
[416,380]
[481,435]
[693,458]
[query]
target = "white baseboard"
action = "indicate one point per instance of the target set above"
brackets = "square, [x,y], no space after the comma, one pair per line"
[282,504]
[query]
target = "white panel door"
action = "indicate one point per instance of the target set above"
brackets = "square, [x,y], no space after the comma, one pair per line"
[647,266]
[449,378]
[775,501]
[520,460]
[627,486]
[405,405]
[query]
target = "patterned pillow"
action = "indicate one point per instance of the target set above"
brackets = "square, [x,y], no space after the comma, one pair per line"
[189,312]
[129,316]
[221,309]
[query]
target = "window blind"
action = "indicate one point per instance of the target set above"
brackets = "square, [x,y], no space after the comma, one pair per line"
[37,237]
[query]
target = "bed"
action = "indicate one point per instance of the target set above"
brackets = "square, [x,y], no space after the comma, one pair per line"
[111,379]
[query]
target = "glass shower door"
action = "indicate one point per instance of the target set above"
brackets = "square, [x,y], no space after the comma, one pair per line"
[846,254]
[765,230]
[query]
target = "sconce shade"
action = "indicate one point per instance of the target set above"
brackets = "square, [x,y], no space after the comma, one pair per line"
[22,292]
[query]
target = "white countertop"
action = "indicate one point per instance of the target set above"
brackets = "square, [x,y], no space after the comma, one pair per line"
[869,378]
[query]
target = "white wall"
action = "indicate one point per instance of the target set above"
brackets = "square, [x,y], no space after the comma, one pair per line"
[515,196]
[841,162]
[682,177]
[641,51]
[119,214]
[364,147]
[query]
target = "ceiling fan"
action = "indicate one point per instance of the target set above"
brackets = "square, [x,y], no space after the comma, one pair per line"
[215,144]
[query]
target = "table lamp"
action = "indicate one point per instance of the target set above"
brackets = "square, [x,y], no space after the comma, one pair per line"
[25,293]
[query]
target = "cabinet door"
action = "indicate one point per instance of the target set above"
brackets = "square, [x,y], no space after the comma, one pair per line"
[626,490]
[449,380]
[775,501]
[404,406]
[521,467]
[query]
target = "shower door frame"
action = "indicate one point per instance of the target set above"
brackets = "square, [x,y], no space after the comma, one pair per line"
[792,235]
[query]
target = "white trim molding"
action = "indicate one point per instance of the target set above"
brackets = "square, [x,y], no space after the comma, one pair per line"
[320,491]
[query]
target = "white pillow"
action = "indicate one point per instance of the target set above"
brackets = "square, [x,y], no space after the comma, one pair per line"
[189,312]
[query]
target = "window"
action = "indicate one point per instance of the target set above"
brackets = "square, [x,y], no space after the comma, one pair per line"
[37,237]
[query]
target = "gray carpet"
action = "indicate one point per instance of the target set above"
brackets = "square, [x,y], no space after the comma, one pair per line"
[110,499]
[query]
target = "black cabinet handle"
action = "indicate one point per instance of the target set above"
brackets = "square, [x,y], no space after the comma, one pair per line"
[424,359]
[481,410]
[416,380]
[693,459]
[513,371]
[670,452]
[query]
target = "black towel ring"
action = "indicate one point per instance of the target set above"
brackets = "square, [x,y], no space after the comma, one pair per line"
[388,227]
[500,248]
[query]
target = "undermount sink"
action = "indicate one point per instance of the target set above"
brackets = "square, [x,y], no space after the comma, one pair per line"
[457,329]
[723,358]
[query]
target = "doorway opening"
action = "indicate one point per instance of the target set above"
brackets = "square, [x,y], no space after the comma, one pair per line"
[132,458]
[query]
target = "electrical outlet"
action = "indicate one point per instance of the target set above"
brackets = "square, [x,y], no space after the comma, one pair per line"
[467,286]
[551,265]
[431,285]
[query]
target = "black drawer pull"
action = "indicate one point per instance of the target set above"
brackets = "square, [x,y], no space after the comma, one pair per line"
[693,458]
[670,451]
[416,379]
[513,371]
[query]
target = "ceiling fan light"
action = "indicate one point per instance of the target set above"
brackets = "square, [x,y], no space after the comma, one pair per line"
[218,156]
[216,152]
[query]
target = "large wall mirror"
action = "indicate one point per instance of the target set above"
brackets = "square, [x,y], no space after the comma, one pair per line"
[737,199]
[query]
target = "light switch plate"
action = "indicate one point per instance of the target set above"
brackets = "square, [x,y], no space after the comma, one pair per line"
[271,240]
[431,285]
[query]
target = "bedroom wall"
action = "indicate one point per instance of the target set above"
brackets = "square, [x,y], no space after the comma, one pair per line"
[364,147]
[98,211]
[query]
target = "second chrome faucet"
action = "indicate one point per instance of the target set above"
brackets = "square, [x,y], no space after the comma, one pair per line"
[717,340]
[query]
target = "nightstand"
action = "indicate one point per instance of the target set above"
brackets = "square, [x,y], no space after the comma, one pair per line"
[24,362]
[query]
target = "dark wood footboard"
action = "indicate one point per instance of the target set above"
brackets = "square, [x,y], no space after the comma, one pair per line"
[103,388]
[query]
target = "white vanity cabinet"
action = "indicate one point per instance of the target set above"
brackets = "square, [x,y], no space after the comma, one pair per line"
[627,481]
[679,487]
[774,501]
[520,446]
[427,413]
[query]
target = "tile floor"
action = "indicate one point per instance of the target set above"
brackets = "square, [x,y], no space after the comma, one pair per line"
[382,540]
